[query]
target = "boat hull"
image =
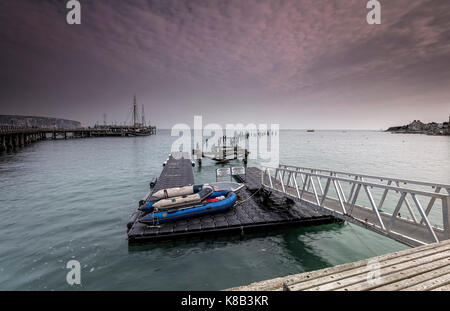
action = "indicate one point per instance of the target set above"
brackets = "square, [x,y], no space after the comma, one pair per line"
[191,211]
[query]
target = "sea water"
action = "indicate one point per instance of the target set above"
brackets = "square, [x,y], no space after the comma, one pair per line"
[71,199]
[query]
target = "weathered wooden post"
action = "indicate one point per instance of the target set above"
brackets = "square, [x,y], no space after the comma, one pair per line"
[3,143]
[16,141]
[10,143]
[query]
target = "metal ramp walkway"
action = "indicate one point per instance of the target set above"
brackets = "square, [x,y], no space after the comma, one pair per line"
[388,206]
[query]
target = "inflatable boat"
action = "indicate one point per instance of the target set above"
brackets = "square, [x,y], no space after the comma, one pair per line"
[204,202]
[187,190]
[188,195]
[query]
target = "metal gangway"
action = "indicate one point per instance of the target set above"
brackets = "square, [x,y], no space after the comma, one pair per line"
[389,206]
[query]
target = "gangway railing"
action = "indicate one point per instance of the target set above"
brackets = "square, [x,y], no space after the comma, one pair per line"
[314,188]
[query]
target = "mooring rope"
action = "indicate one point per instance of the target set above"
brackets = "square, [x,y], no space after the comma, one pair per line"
[243,201]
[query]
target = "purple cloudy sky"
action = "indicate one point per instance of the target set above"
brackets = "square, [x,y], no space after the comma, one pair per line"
[299,63]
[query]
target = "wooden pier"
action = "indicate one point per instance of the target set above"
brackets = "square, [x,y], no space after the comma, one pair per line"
[424,268]
[12,138]
[252,214]
[226,149]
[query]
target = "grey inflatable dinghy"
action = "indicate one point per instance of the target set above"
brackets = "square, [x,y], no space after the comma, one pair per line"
[187,190]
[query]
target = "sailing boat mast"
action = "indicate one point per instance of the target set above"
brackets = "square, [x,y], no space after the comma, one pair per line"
[134,112]
[143,116]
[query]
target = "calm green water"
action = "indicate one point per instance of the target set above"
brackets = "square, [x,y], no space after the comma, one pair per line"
[63,200]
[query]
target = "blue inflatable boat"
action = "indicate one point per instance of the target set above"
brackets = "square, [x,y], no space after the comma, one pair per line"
[210,202]
[187,195]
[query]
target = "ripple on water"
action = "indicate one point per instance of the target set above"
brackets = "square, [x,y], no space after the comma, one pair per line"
[63,200]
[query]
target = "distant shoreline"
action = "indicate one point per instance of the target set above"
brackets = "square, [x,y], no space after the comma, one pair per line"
[417,127]
[420,132]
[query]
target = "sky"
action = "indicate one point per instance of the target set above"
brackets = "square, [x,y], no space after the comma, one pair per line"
[297,63]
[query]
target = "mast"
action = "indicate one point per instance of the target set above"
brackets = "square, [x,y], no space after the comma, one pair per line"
[134,112]
[143,116]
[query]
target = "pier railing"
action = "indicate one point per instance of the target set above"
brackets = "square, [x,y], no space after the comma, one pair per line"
[22,129]
[108,129]
[359,199]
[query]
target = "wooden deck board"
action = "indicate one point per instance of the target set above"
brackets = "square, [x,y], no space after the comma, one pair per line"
[406,271]
[362,271]
[422,268]
[445,287]
[425,281]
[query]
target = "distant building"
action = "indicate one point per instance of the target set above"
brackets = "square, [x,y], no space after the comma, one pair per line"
[416,125]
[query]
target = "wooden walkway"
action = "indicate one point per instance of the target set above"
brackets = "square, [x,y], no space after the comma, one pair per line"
[12,138]
[422,268]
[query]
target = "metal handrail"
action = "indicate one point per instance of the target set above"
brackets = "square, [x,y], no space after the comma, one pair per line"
[405,181]
[357,182]
[370,184]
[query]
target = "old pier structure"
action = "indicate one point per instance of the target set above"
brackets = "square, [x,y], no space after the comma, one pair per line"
[13,138]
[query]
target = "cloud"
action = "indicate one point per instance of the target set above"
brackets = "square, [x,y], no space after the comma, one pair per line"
[281,49]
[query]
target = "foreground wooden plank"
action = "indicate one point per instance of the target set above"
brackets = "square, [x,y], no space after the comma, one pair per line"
[354,275]
[434,281]
[360,282]
[408,273]
[442,288]
[397,263]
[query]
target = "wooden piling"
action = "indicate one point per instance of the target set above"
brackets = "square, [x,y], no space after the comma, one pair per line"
[12,137]
[10,145]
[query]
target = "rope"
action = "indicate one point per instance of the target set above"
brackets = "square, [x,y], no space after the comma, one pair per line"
[243,201]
